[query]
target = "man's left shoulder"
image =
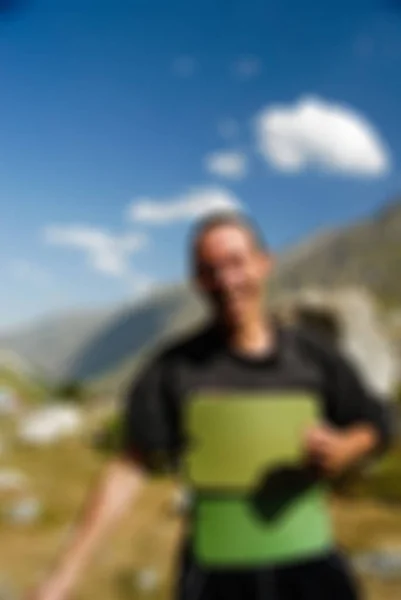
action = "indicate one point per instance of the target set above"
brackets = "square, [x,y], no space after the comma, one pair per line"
[312,345]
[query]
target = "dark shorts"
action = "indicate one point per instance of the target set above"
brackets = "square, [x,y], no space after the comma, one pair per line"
[326,578]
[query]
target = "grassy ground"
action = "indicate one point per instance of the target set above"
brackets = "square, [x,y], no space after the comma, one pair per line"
[148,536]
[25,388]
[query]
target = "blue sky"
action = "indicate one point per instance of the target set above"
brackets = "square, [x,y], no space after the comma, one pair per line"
[122,120]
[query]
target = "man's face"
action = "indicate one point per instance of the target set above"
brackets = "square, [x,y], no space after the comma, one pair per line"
[231,272]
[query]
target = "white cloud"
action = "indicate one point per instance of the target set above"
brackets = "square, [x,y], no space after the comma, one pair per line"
[227,164]
[184,66]
[247,67]
[228,128]
[315,133]
[105,252]
[25,270]
[195,203]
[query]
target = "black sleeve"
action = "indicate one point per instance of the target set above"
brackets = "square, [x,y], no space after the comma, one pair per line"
[350,401]
[148,420]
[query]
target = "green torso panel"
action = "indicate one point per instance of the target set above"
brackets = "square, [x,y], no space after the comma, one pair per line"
[255,501]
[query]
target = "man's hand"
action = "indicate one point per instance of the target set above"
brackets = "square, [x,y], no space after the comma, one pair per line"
[334,451]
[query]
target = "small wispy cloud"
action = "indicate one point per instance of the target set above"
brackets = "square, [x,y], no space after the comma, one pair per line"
[110,254]
[246,67]
[184,66]
[194,203]
[228,128]
[315,134]
[232,165]
[27,271]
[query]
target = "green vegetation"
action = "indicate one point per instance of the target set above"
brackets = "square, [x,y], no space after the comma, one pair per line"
[25,387]
[108,437]
[71,391]
[383,481]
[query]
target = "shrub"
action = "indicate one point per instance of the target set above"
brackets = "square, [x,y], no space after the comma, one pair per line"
[71,391]
[107,439]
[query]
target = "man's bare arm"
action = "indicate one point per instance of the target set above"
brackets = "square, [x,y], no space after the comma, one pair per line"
[120,483]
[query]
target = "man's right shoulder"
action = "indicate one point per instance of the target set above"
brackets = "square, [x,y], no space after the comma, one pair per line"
[191,345]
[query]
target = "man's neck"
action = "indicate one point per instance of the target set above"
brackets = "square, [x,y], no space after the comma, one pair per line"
[253,337]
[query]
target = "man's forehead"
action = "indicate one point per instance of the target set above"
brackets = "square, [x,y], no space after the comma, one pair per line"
[230,235]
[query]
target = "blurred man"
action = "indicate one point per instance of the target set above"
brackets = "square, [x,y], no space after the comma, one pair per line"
[239,349]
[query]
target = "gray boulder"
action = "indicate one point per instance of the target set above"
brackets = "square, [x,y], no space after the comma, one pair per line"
[384,564]
[25,511]
[350,319]
[12,480]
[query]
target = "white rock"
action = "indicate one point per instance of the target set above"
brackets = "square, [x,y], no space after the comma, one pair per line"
[361,332]
[9,404]
[385,563]
[147,580]
[365,342]
[181,500]
[47,425]
[25,511]
[12,480]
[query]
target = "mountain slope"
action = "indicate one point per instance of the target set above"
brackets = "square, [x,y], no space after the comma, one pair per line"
[367,253]
[134,328]
[50,344]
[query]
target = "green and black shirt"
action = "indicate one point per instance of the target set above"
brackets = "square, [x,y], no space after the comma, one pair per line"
[300,372]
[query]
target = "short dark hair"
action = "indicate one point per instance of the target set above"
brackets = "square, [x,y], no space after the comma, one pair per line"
[221,219]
